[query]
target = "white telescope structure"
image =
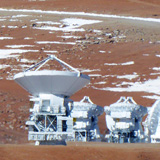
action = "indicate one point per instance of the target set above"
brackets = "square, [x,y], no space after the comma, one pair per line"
[124,121]
[152,123]
[54,117]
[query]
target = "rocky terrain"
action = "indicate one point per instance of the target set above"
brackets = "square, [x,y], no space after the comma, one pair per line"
[115,42]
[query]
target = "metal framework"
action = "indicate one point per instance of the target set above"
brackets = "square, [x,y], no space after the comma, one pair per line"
[65,65]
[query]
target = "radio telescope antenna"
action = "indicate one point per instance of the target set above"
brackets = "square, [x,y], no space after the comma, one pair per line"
[55,118]
[62,83]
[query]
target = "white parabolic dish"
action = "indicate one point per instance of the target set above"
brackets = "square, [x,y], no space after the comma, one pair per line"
[63,83]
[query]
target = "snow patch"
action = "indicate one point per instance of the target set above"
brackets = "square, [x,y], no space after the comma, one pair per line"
[123,64]
[67,37]
[18,46]
[50,51]
[55,42]
[129,76]
[2,19]
[19,16]
[70,25]
[27,61]
[156,68]
[89,70]
[95,75]
[24,26]
[112,64]
[3,38]
[76,22]
[4,66]
[14,20]
[100,82]
[102,51]
[127,63]
[150,86]
[12,26]
[47,22]
[6,53]
[152,74]
[28,38]
[152,97]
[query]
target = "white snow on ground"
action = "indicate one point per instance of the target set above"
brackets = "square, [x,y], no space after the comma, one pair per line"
[154,74]
[123,64]
[125,83]
[112,64]
[109,76]
[102,51]
[77,22]
[51,51]
[28,38]
[12,26]
[18,46]
[157,55]
[47,22]
[27,61]
[67,37]
[55,42]
[6,53]
[24,26]
[152,97]
[14,20]
[88,70]
[100,82]
[127,63]
[19,16]
[156,68]
[70,25]
[150,86]
[121,36]
[2,19]
[25,66]
[97,31]
[4,66]
[129,76]
[3,38]
[83,14]
[95,75]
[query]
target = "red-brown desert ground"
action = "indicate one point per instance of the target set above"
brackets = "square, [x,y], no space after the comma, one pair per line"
[120,54]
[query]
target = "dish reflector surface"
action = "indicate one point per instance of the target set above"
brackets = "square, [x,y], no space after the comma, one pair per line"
[62,83]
